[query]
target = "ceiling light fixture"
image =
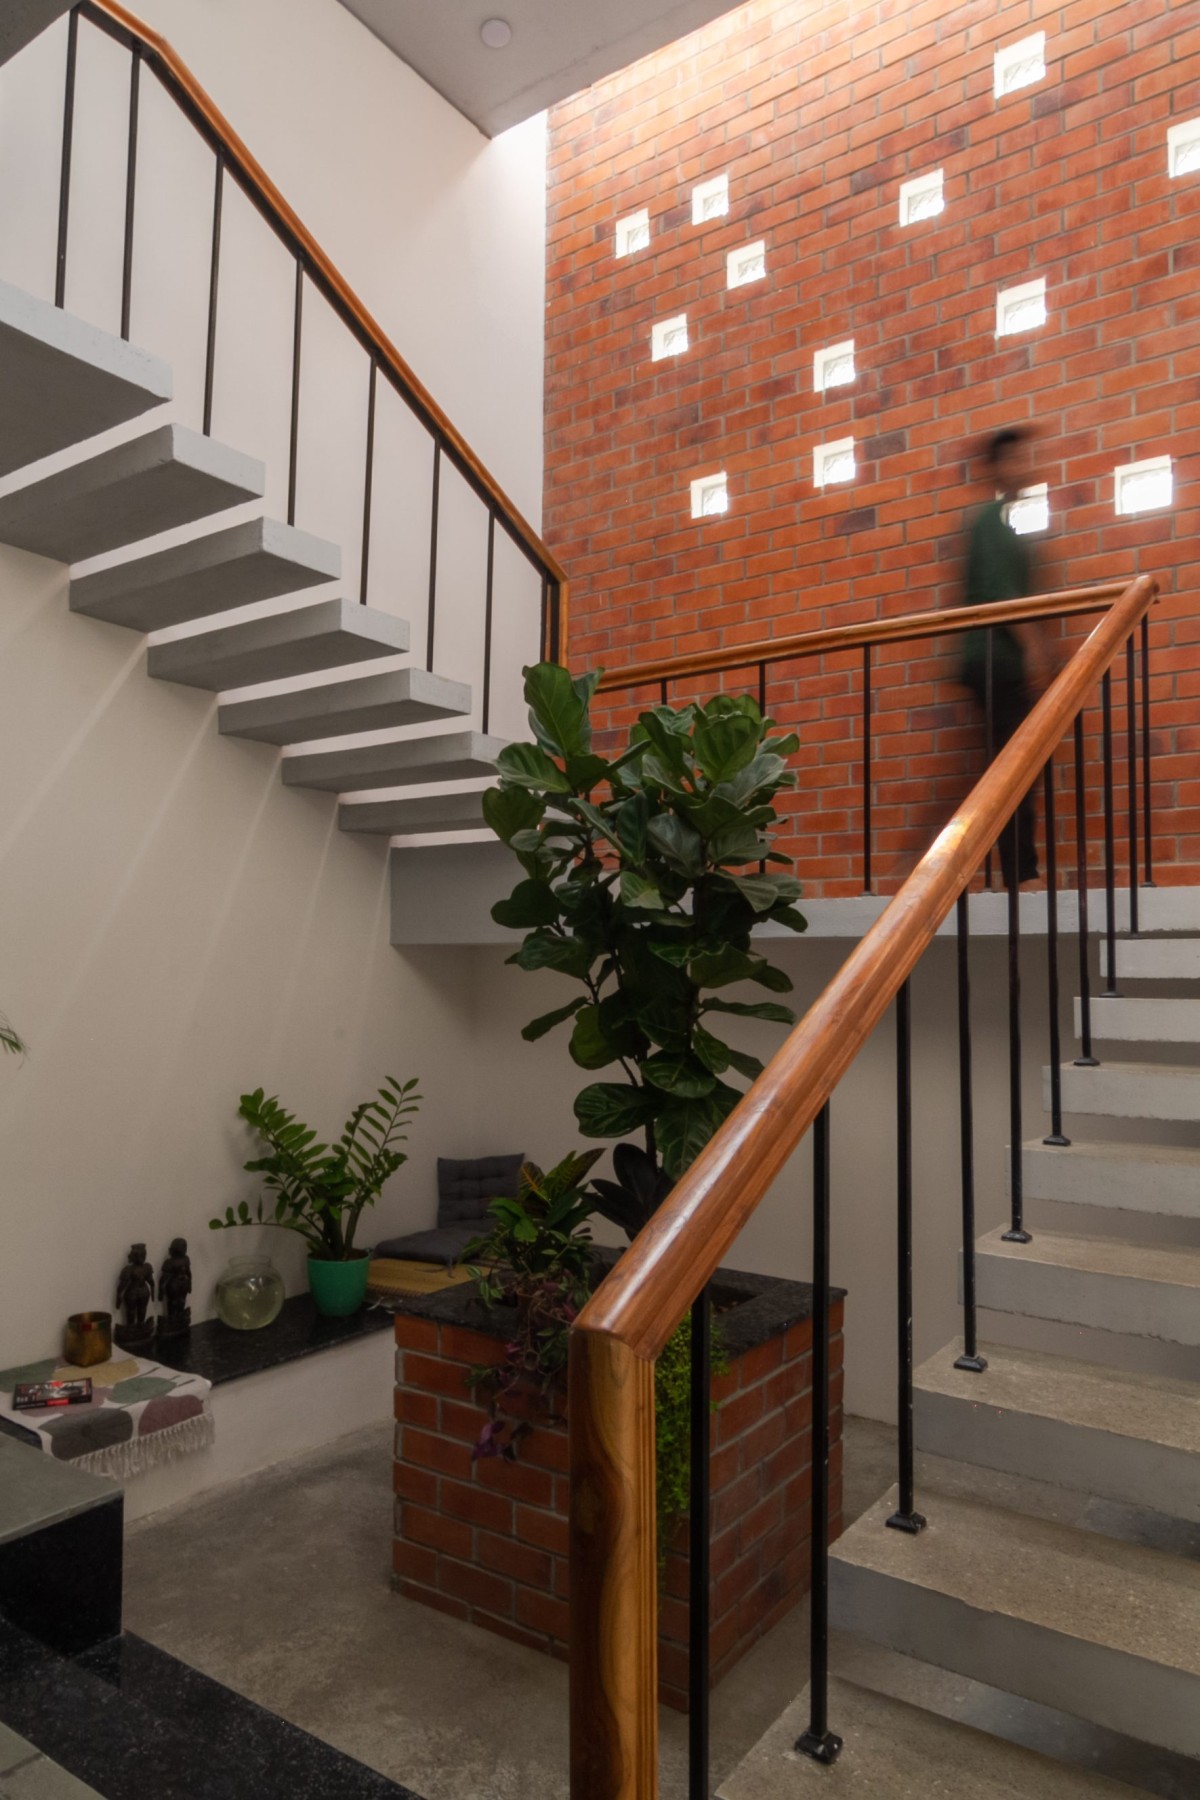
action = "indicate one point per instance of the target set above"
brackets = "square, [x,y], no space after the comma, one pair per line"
[496,33]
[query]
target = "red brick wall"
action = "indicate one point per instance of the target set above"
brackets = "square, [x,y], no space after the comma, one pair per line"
[817,113]
[487,1541]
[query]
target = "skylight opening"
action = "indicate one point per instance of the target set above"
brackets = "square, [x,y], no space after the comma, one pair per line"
[710,200]
[710,495]
[921,198]
[834,462]
[1183,148]
[833,366]
[1145,486]
[633,233]
[1021,308]
[1020,65]
[1030,511]
[745,265]
[669,337]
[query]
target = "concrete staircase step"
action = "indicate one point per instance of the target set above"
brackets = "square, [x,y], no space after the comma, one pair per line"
[422,813]
[1120,1090]
[1100,1629]
[256,560]
[1134,1021]
[169,477]
[1146,1178]
[22,20]
[64,381]
[340,708]
[1121,1436]
[1154,958]
[454,756]
[894,1751]
[325,635]
[1143,1290]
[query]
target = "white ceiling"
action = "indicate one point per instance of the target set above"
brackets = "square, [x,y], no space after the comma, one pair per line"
[557,47]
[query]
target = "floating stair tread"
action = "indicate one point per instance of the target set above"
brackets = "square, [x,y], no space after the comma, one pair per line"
[1141,1290]
[325,635]
[1171,1265]
[1151,1178]
[258,559]
[1143,1408]
[169,477]
[1127,1019]
[894,1751]
[339,708]
[1154,958]
[423,813]
[454,756]
[63,381]
[1130,1090]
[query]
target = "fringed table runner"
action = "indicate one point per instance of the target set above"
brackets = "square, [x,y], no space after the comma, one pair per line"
[140,1415]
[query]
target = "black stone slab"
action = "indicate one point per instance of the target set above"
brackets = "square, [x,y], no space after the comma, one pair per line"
[60,1548]
[133,1722]
[219,1353]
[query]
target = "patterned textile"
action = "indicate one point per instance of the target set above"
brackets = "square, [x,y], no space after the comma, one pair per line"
[140,1414]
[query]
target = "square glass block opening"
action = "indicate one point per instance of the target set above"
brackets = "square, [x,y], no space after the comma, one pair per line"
[669,337]
[1030,511]
[834,366]
[1183,148]
[710,200]
[833,462]
[921,198]
[1020,65]
[710,495]
[1021,308]
[633,233]
[745,265]
[1145,486]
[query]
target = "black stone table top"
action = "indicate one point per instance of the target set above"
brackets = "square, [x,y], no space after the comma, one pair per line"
[36,1491]
[219,1353]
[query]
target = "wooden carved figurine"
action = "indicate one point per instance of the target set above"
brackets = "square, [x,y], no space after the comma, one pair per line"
[174,1286]
[135,1291]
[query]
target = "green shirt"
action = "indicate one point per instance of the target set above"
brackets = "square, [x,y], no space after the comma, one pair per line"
[999,567]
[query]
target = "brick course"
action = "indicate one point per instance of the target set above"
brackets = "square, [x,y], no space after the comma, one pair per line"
[818,113]
[487,1541]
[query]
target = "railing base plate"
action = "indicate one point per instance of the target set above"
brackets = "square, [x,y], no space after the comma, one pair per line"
[974,1364]
[823,1747]
[911,1522]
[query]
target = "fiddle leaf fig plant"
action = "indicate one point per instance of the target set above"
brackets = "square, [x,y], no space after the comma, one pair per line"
[644,874]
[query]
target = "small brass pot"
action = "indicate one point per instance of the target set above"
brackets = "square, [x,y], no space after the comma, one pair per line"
[88,1339]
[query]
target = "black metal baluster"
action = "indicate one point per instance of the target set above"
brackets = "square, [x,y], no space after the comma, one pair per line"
[1148,867]
[64,173]
[662,693]
[1016,1233]
[1056,1131]
[486,711]
[762,689]
[818,1741]
[906,1517]
[294,430]
[1110,877]
[214,275]
[1131,769]
[544,626]
[556,624]
[433,555]
[135,74]
[700,1411]
[988,743]
[365,559]
[866,771]
[1085,1059]
[970,1358]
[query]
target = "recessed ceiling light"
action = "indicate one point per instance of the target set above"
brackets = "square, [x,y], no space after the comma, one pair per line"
[496,33]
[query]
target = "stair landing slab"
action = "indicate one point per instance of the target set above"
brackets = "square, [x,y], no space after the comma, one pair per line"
[894,1751]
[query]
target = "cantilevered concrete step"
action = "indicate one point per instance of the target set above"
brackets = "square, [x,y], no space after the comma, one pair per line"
[1154,958]
[62,381]
[1140,1021]
[1140,1289]
[169,477]
[454,756]
[894,1751]
[1104,1630]
[1122,1436]
[1120,1090]
[340,708]
[325,635]
[1147,1178]
[256,560]
[427,813]
[22,20]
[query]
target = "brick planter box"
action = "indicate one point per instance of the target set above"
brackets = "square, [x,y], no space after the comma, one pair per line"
[487,1541]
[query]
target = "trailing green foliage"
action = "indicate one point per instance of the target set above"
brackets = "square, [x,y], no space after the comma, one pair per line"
[673,1429]
[320,1190]
[9,1039]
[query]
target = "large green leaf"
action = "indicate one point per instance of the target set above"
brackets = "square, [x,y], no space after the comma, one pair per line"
[592,1045]
[750,1066]
[546,950]
[712,1052]
[559,709]
[676,842]
[768,976]
[765,891]
[583,772]
[681,1075]
[717,968]
[538,1027]
[612,1109]
[681,1129]
[530,903]
[509,810]
[723,746]
[638,890]
[528,766]
[632,817]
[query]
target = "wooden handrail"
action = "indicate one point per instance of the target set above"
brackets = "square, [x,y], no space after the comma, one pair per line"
[630,1317]
[204,112]
[902,627]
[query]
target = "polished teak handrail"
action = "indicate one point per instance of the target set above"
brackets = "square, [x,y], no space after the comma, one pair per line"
[631,1316]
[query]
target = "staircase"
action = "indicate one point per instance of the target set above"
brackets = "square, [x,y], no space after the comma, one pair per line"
[65,384]
[1065,1570]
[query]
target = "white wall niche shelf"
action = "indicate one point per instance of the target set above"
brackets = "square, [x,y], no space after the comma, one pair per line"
[632,233]
[710,495]
[710,200]
[1145,486]
[1021,308]
[1019,65]
[746,264]
[922,198]
[833,366]
[833,463]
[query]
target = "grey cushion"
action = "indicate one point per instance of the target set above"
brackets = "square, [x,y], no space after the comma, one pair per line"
[445,1245]
[465,1188]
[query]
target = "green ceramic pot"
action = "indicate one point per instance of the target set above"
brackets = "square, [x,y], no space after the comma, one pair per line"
[339,1288]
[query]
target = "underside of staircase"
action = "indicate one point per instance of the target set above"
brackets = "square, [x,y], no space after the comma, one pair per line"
[1060,1562]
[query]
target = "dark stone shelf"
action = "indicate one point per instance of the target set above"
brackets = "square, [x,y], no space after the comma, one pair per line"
[220,1354]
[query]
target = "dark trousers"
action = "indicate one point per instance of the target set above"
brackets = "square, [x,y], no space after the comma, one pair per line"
[1011,704]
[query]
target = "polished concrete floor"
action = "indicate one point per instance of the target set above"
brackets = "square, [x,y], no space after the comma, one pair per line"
[279,1587]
